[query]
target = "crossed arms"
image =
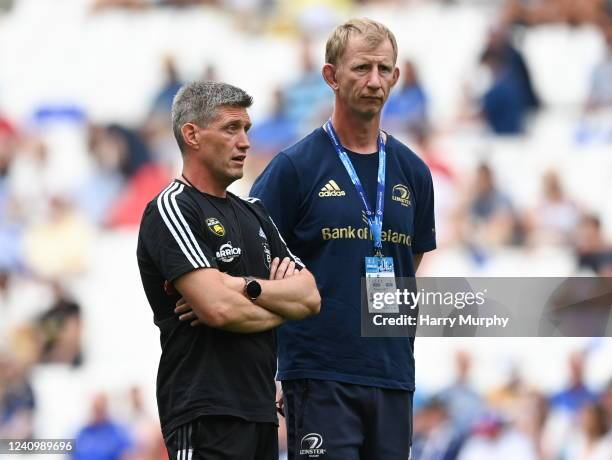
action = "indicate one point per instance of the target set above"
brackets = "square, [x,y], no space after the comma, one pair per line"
[216,299]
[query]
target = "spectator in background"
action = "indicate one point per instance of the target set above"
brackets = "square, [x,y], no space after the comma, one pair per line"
[577,394]
[30,178]
[145,429]
[436,437]
[162,103]
[132,150]
[592,251]
[505,399]
[127,210]
[102,438]
[532,413]
[487,219]
[565,407]
[554,219]
[406,110]
[463,402]
[526,409]
[493,438]
[17,401]
[275,132]
[600,93]
[500,41]
[510,96]
[60,331]
[59,245]
[503,105]
[428,151]
[592,441]
[307,100]
[102,185]
[125,148]
[118,148]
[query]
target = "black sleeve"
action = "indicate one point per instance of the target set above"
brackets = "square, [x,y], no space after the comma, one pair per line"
[173,234]
[278,246]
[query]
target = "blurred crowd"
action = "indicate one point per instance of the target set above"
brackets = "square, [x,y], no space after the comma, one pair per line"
[515,420]
[50,219]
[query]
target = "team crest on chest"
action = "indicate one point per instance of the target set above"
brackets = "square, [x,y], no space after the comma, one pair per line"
[215,226]
[402,194]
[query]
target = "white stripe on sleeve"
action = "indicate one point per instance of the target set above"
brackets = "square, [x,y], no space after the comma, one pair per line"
[169,219]
[186,225]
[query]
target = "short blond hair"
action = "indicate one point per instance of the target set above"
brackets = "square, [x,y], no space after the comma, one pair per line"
[374,32]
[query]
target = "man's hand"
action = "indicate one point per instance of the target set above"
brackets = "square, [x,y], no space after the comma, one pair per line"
[185,312]
[278,270]
[281,270]
[280,402]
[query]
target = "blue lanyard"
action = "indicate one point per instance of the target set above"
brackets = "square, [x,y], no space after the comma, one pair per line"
[374,219]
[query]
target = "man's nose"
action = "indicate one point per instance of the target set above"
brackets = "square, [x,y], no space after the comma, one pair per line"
[374,80]
[243,142]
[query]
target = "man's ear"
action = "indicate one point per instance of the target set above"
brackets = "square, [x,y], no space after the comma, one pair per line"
[396,74]
[191,135]
[329,74]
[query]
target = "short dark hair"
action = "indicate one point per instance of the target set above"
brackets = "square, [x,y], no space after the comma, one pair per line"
[197,102]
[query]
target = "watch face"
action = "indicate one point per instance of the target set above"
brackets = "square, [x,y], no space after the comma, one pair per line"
[253,289]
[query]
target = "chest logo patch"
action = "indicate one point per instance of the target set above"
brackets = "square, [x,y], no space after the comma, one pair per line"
[331,189]
[215,226]
[227,252]
[402,194]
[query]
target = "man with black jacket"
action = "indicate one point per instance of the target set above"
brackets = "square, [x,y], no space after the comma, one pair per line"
[224,256]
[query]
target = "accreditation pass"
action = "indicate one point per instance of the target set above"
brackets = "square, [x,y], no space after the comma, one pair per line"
[380,279]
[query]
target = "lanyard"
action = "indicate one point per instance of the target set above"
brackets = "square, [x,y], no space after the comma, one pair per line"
[374,219]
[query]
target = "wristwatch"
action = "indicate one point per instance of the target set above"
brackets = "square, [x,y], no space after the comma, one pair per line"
[252,288]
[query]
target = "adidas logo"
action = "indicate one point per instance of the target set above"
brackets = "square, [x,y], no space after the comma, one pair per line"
[331,189]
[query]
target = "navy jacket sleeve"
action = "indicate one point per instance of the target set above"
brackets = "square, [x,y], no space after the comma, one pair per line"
[278,188]
[425,225]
